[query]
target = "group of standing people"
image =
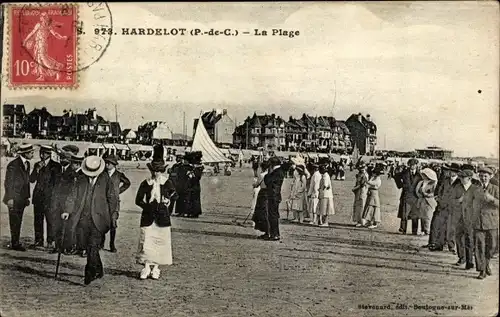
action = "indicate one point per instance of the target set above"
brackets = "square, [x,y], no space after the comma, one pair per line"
[459,210]
[78,197]
[311,194]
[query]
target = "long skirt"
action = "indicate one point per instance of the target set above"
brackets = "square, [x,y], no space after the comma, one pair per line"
[325,207]
[358,208]
[260,213]
[312,208]
[155,245]
[372,214]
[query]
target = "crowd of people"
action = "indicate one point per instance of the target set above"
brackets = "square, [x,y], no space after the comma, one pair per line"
[79,199]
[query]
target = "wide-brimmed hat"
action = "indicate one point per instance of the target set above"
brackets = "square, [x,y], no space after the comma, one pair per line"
[412,161]
[454,167]
[158,163]
[466,173]
[111,159]
[71,149]
[25,148]
[486,170]
[429,173]
[92,166]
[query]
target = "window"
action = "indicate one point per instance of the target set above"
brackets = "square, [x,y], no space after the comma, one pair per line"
[6,118]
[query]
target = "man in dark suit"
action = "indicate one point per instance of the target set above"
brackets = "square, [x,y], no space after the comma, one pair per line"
[174,177]
[407,180]
[120,183]
[93,201]
[17,192]
[485,222]
[273,181]
[45,173]
[62,188]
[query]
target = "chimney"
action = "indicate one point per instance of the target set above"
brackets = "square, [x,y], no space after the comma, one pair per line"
[360,117]
[368,117]
[70,113]
[94,114]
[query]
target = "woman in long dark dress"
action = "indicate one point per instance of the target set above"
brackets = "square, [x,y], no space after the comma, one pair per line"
[154,196]
[193,197]
[260,212]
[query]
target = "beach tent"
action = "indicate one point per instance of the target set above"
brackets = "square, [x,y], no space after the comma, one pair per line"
[205,145]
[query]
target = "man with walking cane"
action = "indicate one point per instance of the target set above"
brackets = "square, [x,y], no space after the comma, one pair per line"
[93,202]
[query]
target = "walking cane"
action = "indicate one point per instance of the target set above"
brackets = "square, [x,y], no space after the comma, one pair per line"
[59,252]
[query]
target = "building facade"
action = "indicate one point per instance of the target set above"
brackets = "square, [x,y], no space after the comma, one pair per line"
[13,117]
[266,132]
[434,152]
[363,133]
[219,125]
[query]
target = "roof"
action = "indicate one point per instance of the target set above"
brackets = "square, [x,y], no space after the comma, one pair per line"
[40,112]
[8,110]
[211,117]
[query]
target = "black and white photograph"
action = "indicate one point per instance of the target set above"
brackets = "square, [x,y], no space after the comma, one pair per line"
[227,159]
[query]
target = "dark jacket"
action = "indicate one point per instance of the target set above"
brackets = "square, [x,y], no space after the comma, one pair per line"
[485,211]
[156,212]
[104,200]
[16,183]
[45,178]
[274,181]
[408,183]
[120,184]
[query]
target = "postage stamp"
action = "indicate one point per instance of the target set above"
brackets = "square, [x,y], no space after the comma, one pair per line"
[43,46]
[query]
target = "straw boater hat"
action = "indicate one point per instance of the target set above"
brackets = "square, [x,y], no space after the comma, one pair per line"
[92,166]
[430,174]
[158,163]
[46,148]
[25,148]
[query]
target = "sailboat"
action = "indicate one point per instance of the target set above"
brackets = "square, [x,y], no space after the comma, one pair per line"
[355,155]
[204,144]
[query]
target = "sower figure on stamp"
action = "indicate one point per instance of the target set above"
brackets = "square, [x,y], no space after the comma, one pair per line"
[17,192]
[93,201]
[45,173]
[62,188]
[485,223]
[120,183]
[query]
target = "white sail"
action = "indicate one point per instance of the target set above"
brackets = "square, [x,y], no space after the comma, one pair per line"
[203,143]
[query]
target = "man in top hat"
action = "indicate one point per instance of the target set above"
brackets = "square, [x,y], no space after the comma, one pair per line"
[45,172]
[70,163]
[407,180]
[464,196]
[441,225]
[17,192]
[92,203]
[120,183]
[174,177]
[485,222]
[273,181]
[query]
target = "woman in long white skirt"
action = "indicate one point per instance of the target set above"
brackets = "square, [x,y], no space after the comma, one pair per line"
[325,205]
[153,196]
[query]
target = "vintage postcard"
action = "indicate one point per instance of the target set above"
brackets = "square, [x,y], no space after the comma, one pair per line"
[249,159]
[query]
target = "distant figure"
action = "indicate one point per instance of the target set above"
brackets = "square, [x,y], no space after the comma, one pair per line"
[325,195]
[371,213]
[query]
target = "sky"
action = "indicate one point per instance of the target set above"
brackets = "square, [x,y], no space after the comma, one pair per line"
[415,67]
